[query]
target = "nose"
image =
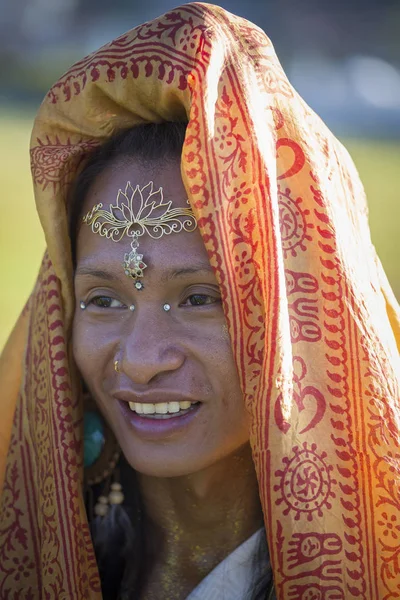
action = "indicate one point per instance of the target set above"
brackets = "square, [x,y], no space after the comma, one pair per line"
[151,346]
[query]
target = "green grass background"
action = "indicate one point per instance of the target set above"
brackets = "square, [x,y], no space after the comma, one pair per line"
[22,242]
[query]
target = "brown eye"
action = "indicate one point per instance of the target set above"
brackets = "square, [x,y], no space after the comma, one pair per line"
[200,300]
[106,302]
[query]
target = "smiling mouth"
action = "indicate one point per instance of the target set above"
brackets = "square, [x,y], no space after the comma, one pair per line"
[162,410]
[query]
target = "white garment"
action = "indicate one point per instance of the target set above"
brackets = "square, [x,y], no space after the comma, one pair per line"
[233,577]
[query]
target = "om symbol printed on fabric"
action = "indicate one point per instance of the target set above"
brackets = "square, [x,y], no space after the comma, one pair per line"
[305,482]
[302,395]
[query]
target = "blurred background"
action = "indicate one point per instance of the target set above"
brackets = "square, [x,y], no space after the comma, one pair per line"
[342,56]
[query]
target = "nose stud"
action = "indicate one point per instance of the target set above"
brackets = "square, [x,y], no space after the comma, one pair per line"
[167,307]
[132,307]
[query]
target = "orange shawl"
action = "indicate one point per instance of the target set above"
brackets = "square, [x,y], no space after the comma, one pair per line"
[311,316]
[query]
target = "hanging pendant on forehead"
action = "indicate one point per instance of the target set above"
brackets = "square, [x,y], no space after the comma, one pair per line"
[138,211]
[134,265]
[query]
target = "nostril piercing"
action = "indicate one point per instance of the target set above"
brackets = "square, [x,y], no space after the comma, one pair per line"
[167,307]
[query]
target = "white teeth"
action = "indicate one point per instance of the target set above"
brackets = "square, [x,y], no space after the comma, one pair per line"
[161,408]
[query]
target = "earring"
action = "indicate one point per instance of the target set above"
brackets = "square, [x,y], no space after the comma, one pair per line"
[116,366]
[100,449]
[101,455]
[167,307]
[82,304]
[116,496]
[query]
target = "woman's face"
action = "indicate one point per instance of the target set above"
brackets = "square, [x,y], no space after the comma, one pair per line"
[165,358]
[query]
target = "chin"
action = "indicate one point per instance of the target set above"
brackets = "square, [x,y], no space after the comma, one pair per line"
[157,464]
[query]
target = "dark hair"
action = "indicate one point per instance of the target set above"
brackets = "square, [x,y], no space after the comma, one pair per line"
[121,545]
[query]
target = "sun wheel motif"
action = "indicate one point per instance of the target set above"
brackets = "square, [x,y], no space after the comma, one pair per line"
[293,223]
[305,483]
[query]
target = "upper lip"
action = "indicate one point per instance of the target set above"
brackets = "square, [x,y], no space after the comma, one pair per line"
[153,397]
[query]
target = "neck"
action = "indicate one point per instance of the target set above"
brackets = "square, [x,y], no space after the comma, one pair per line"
[198,519]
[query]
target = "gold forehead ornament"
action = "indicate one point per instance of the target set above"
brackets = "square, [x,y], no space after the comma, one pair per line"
[153,216]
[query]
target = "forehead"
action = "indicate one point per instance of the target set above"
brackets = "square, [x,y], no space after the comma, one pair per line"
[177,249]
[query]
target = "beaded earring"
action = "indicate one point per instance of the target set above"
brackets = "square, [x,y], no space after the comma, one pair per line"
[101,455]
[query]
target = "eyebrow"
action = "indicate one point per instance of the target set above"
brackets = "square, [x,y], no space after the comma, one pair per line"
[100,273]
[169,275]
[201,269]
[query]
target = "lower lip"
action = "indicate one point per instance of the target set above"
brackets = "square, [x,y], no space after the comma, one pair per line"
[157,428]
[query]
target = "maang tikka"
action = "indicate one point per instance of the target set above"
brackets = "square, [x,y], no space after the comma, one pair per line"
[153,216]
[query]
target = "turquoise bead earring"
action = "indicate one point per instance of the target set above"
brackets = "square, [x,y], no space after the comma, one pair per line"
[100,456]
[94,437]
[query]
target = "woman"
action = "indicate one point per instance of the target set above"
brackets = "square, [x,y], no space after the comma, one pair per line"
[154,352]
[310,316]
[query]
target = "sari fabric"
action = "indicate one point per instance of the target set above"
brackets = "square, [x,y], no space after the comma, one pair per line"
[311,316]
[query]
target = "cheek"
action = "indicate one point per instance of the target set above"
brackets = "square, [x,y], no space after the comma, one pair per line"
[80,346]
[222,365]
[223,362]
[91,351]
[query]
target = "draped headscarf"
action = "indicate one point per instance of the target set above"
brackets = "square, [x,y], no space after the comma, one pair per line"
[311,316]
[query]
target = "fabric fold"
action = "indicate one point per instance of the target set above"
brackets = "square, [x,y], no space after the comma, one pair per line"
[283,217]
